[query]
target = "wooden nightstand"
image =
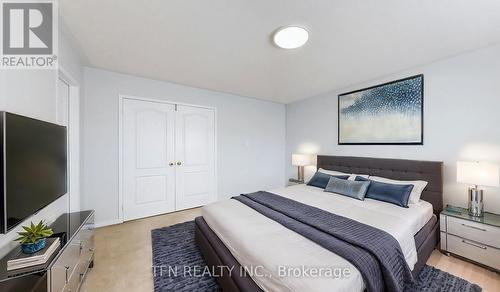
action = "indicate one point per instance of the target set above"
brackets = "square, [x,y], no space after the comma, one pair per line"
[473,238]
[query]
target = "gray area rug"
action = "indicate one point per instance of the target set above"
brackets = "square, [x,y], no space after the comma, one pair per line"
[179,266]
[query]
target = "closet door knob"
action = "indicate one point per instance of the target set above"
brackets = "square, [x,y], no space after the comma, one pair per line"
[179,163]
[171,164]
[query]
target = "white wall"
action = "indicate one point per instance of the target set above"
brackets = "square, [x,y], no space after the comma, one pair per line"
[33,93]
[251,137]
[461,120]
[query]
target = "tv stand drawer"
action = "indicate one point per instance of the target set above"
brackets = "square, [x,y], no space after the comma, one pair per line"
[69,269]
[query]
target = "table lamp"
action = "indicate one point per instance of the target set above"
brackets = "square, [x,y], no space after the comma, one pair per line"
[301,160]
[477,174]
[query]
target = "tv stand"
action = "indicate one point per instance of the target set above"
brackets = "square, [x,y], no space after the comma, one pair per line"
[67,268]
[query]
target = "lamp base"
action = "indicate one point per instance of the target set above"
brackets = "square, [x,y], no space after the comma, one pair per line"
[300,173]
[476,206]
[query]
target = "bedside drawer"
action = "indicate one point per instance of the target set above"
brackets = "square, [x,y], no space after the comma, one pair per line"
[475,251]
[443,241]
[478,232]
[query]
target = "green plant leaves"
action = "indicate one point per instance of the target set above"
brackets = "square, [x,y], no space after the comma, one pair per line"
[33,233]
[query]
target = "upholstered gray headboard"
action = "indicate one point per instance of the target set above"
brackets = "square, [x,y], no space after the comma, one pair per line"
[401,169]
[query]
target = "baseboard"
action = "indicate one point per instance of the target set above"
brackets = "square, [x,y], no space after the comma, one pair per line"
[107,223]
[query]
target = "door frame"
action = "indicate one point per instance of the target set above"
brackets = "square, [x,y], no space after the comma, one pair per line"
[73,130]
[121,99]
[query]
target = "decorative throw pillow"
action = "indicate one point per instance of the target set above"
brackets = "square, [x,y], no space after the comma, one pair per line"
[390,193]
[320,179]
[349,188]
[416,192]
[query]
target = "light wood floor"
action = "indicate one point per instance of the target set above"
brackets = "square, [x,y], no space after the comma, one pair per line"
[123,257]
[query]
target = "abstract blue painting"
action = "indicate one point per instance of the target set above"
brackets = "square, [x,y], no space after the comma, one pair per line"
[389,113]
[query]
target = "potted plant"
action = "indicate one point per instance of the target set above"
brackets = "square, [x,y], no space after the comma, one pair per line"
[32,239]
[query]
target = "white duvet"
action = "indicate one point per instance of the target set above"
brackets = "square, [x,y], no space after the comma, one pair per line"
[282,260]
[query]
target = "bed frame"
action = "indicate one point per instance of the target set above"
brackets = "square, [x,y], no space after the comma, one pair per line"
[217,254]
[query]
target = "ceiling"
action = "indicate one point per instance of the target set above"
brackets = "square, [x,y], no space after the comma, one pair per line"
[225,45]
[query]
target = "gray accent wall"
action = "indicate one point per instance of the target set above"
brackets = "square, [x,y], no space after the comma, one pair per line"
[461,121]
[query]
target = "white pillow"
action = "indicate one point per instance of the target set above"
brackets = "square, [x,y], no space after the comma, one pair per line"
[352,176]
[332,172]
[416,192]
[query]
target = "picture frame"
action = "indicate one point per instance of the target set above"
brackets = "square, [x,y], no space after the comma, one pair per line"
[390,113]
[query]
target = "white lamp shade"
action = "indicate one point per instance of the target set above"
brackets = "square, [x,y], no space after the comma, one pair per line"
[478,173]
[301,159]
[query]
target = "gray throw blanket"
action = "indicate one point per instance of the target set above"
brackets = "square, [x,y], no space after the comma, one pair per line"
[374,252]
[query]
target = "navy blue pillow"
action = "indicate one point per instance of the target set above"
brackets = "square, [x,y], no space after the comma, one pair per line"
[390,193]
[320,179]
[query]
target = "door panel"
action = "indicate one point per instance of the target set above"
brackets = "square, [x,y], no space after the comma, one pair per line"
[151,128]
[148,148]
[203,182]
[150,189]
[196,131]
[195,156]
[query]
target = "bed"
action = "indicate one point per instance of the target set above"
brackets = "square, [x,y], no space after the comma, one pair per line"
[232,234]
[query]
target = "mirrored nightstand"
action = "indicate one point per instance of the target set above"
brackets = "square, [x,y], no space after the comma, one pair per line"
[473,238]
[293,181]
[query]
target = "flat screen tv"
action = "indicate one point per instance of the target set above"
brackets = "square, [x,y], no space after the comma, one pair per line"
[33,167]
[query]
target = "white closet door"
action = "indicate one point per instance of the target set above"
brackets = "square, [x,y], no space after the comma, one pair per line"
[195,156]
[148,150]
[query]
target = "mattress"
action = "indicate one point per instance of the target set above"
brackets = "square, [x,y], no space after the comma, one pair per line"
[272,252]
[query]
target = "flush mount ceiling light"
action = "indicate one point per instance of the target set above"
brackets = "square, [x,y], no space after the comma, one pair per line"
[290,37]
